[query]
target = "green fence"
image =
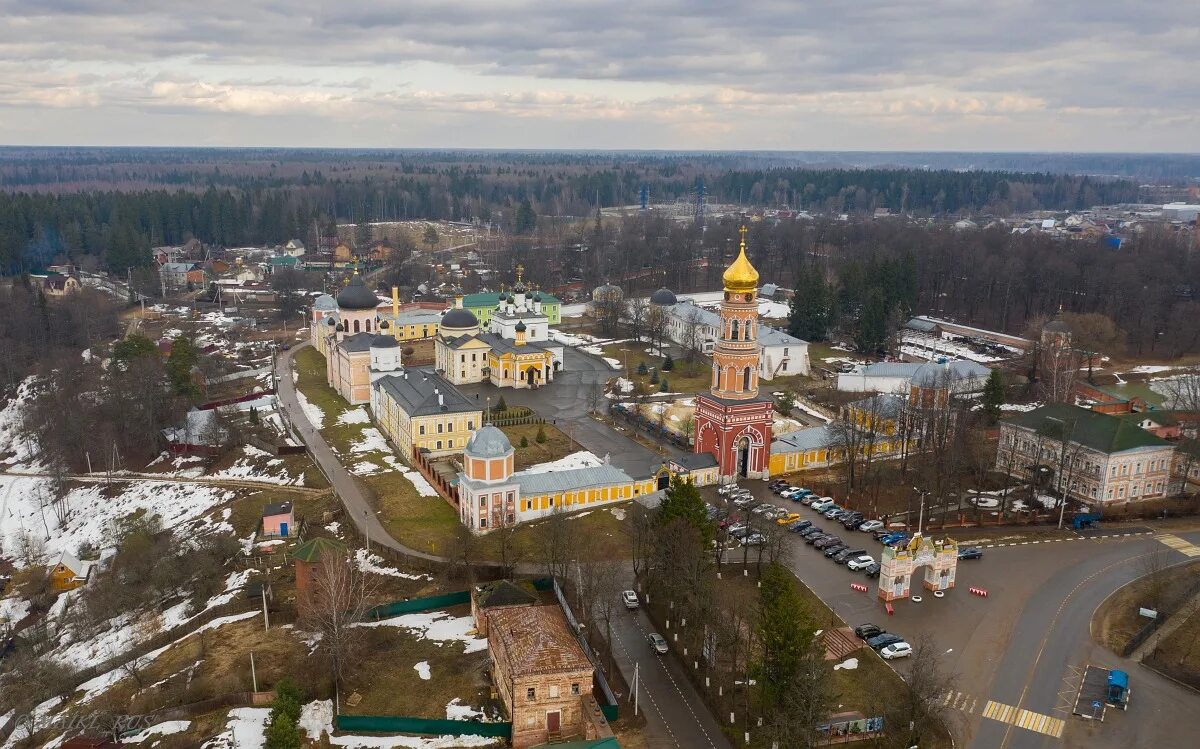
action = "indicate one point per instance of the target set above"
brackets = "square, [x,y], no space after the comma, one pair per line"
[413,605]
[430,726]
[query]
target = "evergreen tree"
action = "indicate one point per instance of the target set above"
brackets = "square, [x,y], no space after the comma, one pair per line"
[654,377]
[133,347]
[283,730]
[668,364]
[526,219]
[524,441]
[540,437]
[785,632]
[253,415]
[641,368]
[663,387]
[184,356]
[501,406]
[810,313]
[993,395]
[682,500]
[872,322]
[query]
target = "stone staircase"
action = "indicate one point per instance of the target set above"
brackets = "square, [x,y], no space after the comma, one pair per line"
[839,643]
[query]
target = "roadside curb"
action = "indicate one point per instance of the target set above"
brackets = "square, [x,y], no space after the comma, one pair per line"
[1061,540]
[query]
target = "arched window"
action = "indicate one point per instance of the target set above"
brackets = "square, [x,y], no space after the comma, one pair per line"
[746,379]
[368,326]
[733,330]
[749,330]
[716,375]
[356,326]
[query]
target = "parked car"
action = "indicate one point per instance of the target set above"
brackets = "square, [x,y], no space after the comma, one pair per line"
[812,538]
[808,499]
[832,512]
[896,650]
[737,528]
[630,597]
[860,562]
[851,523]
[833,550]
[892,538]
[811,531]
[828,541]
[744,501]
[880,641]
[788,519]
[867,631]
[727,490]
[870,525]
[754,539]
[800,526]
[879,534]
[658,643]
[873,570]
[823,504]
[971,552]
[847,554]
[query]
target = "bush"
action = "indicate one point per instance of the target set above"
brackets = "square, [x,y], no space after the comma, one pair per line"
[663,387]
[668,364]
[641,368]
[654,377]
[407,351]
[524,441]
[541,435]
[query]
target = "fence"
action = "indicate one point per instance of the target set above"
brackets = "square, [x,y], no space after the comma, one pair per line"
[1152,626]
[515,420]
[609,708]
[432,726]
[413,605]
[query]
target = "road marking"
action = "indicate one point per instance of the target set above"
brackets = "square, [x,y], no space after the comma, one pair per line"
[1181,545]
[686,703]
[1027,719]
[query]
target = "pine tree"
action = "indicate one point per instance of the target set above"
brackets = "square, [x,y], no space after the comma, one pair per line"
[283,731]
[501,406]
[668,364]
[253,415]
[682,500]
[663,387]
[641,368]
[810,314]
[654,377]
[872,323]
[993,396]
[524,441]
[785,634]
[540,437]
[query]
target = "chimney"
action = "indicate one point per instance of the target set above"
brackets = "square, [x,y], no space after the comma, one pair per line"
[441,399]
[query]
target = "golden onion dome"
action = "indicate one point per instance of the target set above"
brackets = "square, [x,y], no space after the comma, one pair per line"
[741,276]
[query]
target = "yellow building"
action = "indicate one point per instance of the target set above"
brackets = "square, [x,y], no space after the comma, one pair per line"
[419,409]
[491,495]
[877,419]
[68,573]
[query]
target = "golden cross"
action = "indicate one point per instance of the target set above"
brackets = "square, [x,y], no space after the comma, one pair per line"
[520,270]
[742,231]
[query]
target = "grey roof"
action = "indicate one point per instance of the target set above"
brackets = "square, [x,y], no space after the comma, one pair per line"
[768,290]
[384,341]
[664,297]
[277,508]
[922,324]
[696,461]
[1056,326]
[357,342]
[459,318]
[356,295]
[767,336]
[889,369]
[176,267]
[413,317]
[488,442]
[573,479]
[502,345]
[324,302]
[885,405]
[417,392]
[803,439]
[948,373]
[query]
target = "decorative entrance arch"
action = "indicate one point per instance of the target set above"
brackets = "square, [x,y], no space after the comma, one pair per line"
[939,558]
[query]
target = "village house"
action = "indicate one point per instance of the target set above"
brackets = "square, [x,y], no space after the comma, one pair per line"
[1091,456]
[68,573]
[179,275]
[541,673]
[57,285]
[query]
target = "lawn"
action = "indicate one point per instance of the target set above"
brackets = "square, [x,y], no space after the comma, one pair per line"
[683,378]
[1178,655]
[557,444]
[1117,619]
[428,524]
[346,428]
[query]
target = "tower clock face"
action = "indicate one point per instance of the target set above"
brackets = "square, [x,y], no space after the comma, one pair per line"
[749,297]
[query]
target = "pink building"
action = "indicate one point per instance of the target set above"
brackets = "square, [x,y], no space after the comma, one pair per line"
[278,521]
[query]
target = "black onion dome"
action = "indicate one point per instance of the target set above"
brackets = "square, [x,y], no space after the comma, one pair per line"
[459,318]
[356,295]
[664,297]
[520,326]
[385,325]
[330,321]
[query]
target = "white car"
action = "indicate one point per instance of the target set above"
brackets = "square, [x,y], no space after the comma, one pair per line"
[823,505]
[896,650]
[860,562]
[657,643]
[870,525]
[630,598]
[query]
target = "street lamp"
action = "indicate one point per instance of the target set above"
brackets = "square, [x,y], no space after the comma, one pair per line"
[1064,436]
[921,512]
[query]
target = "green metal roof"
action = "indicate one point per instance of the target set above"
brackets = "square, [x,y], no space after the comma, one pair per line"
[1127,391]
[492,298]
[1108,434]
[311,550]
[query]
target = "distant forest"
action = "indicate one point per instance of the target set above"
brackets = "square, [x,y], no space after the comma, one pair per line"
[112,205]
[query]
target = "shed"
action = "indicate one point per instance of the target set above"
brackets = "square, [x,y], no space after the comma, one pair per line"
[278,520]
[68,573]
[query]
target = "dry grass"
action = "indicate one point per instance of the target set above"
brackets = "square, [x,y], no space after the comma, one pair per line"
[557,444]
[1179,654]
[1117,618]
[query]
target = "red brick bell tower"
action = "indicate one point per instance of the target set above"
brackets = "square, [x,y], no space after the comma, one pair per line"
[733,422]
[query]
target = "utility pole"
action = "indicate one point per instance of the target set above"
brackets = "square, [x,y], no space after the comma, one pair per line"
[636,676]
[266,616]
[253,673]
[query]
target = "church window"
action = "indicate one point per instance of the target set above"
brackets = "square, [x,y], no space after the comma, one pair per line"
[368,326]
[356,326]
[746,379]
[733,330]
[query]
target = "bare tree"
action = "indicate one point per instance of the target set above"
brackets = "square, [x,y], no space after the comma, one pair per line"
[641,540]
[692,339]
[339,602]
[1153,566]
[555,540]
[636,312]
[920,708]
[1183,392]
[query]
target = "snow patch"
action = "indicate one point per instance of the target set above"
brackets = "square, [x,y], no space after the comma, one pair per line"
[437,626]
[313,413]
[423,670]
[581,459]
[849,664]
[368,562]
[166,728]
[355,416]
[246,729]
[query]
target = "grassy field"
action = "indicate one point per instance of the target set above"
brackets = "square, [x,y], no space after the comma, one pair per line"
[1178,655]
[557,444]
[683,378]
[1117,618]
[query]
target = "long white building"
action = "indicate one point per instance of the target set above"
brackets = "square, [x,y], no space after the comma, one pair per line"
[781,355]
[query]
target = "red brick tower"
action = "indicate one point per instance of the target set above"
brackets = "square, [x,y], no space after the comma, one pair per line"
[733,422]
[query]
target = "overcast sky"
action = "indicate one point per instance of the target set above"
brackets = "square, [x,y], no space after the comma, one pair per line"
[1074,75]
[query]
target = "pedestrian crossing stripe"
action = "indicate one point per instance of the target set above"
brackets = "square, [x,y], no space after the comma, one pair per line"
[959,701]
[1179,544]
[1026,719]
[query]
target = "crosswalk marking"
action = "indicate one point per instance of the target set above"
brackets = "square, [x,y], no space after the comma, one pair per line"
[967,703]
[1026,719]
[1179,544]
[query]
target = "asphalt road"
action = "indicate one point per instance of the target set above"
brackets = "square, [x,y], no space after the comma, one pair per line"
[353,499]
[566,402]
[676,717]
[1025,644]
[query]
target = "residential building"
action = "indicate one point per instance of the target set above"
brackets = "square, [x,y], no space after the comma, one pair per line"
[780,354]
[541,673]
[294,248]
[310,558]
[179,275]
[492,495]
[56,285]
[68,573]
[419,409]
[1090,456]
